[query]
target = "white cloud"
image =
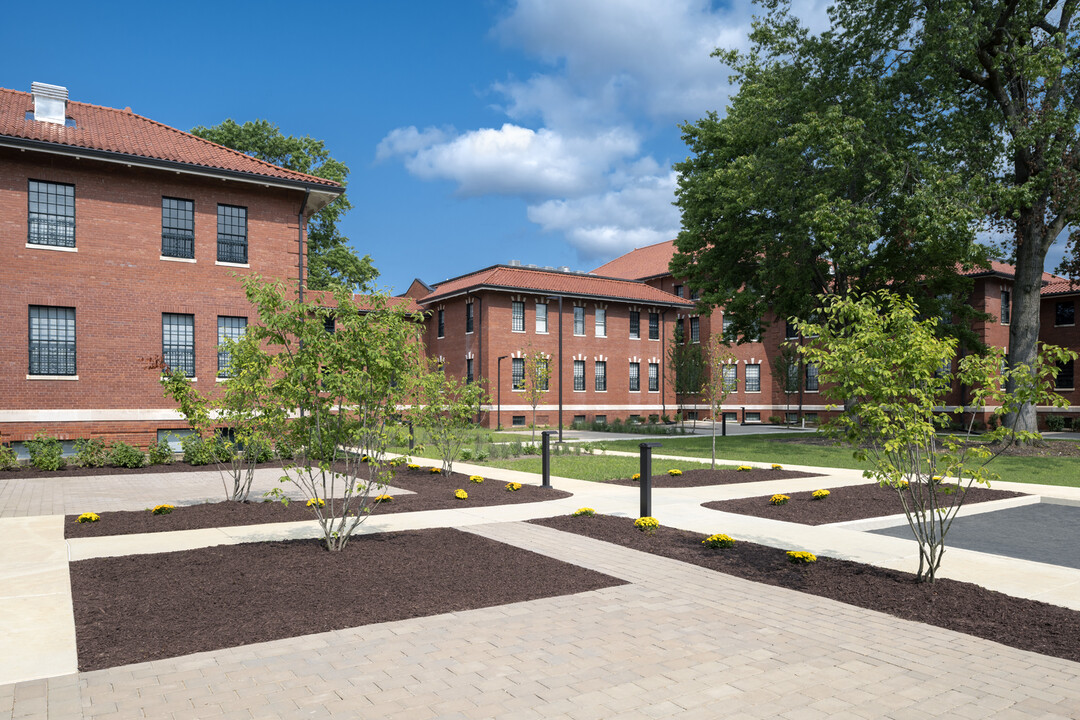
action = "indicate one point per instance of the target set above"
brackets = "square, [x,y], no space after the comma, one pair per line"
[513,160]
[408,140]
[610,223]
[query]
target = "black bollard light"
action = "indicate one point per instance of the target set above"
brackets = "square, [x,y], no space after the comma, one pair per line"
[545,457]
[646,477]
[723,424]
[412,440]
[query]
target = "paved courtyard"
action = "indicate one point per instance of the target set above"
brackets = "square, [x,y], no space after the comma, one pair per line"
[677,641]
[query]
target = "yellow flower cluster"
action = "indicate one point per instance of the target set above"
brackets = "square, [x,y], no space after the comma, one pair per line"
[779,499]
[799,557]
[777,467]
[88,517]
[384,498]
[513,486]
[718,541]
[635,477]
[820,494]
[365,458]
[674,472]
[476,478]
[461,494]
[584,512]
[744,468]
[435,471]
[936,479]
[413,466]
[315,501]
[647,524]
[162,509]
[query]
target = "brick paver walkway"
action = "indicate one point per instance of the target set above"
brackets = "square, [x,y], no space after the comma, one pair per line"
[678,641]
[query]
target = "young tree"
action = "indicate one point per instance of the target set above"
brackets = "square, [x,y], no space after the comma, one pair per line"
[787,372]
[445,406]
[344,388]
[688,366]
[873,349]
[537,379]
[717,384]
[331,261]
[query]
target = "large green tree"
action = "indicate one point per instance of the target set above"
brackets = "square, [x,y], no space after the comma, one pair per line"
[331,262]
[815,181]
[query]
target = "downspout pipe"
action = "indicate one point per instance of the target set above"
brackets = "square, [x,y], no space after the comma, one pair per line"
[300,245]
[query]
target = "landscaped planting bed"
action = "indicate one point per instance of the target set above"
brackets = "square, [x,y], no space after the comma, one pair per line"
[138,608]
[432,492]
[854,502]
[25,471]
[725,476]
[963,607]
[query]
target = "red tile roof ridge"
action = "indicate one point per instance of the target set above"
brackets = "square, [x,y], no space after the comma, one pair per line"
[646,261]
[127,112]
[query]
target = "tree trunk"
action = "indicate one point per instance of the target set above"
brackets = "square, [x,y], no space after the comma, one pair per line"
[1024,322]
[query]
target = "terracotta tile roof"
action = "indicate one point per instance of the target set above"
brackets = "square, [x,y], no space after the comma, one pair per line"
[503,277]
[122,132]
[1060,287]
[644,262]
[1005,269]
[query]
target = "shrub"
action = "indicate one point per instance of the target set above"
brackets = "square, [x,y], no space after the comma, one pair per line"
[674,472]
[801,558]
[779,499]
[162,509]
[466,454]
[224,450]
[647,525]
[258,450]
[530,449]
[46,453]
[776,420]
[284,450]
[820,494]
[513,486]
[91,452]
[718,541]
[8,459]
[584,512]
[461,494]
[127,456]
[482,455]
[1055,423]
[196,450]
[476,478]
[160,453]
[88,517]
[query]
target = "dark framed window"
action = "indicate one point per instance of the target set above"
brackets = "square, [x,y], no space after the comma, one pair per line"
[517,420]
[330,324]
[543,374]
[517,373]
[1065,377]
[654,377]
[695,329]
[177,228]
[51,219]
[1065,313]
[178,342]
[468,370]
[694,294]
[579,320]
[635,325]
[601,375]
[52,340]
[635,377]
[228,328]
[442,323]
[654,326]
[811,377]
[678,291]
[1006,306]
[680,330]
[579,375]
[753,378]
[517,311]
[729,376]
[790,331]
[725,329]
[468,317]
[232,234]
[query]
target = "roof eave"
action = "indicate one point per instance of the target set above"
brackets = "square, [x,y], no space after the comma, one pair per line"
[554,293]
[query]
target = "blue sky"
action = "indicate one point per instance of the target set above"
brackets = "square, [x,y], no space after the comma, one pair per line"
[476,132]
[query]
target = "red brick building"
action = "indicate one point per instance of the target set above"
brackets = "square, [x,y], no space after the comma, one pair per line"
[122,238]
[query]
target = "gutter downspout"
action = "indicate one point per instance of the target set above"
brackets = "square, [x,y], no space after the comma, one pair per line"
[300,245]
[663,358]
[479,347]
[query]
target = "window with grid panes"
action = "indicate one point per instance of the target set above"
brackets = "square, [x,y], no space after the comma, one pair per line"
[232,236]
[1065,377]
[579,375]
[177,228]
[1006,306]
[635,325]
[543,373]
[579,320]
[811,377]
[228,328]
[442,323]
[468,317]
[753,378]
[468,370]
[601,322]
[517,316]
[517,373]
[52,340]
[1065,313]
[654,326]
[726,328]
[695,329]
[51,219]
[635,377]
[680,331]
[729,375]
[178,342]
[541,317]
[654,377]
[601,375]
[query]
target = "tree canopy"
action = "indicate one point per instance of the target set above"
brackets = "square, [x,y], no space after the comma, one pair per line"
[331,261]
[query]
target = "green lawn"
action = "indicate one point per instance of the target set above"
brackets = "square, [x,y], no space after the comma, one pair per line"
[596,467]
[779,448]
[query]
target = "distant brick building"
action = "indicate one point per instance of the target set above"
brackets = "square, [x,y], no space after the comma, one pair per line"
[121,240]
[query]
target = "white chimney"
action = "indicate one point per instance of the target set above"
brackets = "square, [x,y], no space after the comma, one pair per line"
[50,103]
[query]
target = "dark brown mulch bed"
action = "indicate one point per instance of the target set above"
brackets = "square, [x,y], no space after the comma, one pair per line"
[138,608]
[433,492]
[844,503]
[963,607]
[698,478]
[29,471]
